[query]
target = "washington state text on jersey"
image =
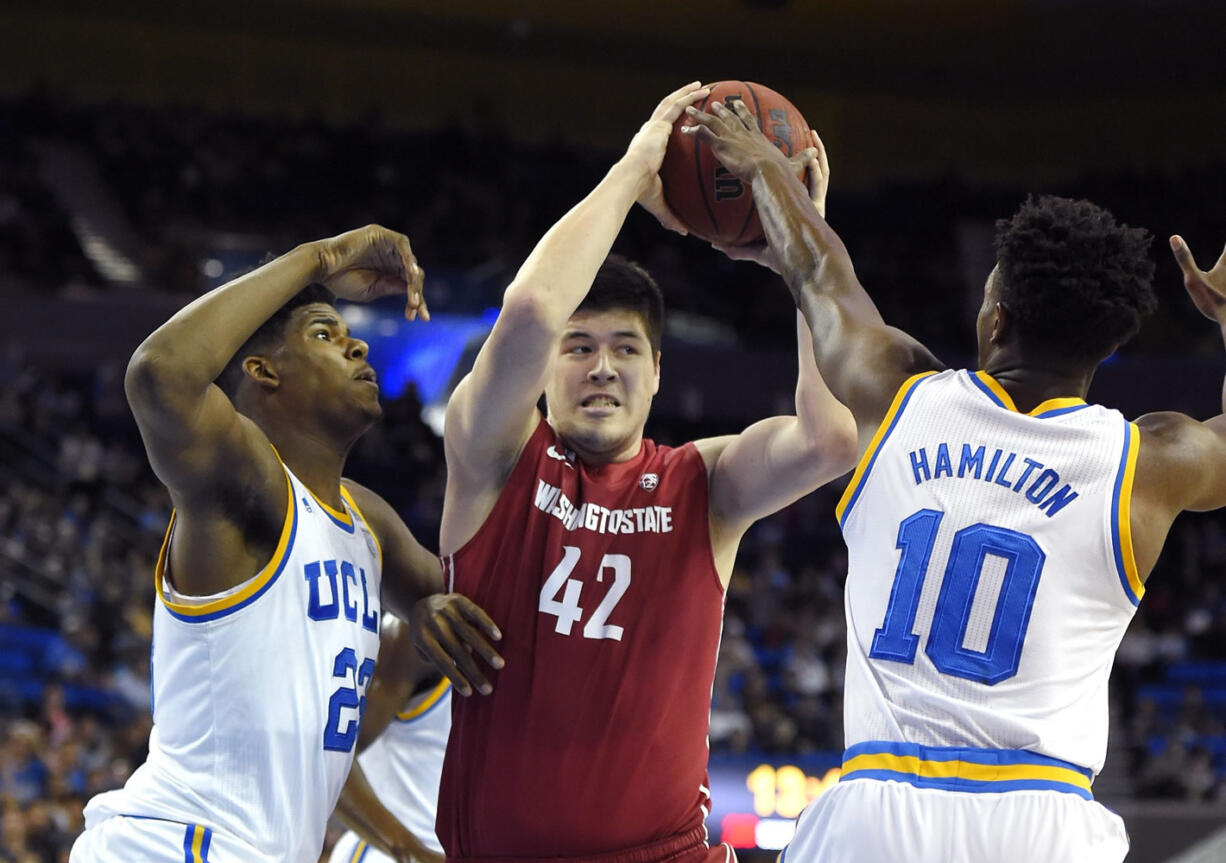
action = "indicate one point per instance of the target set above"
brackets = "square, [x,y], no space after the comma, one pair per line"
[593,517]
[1044,489]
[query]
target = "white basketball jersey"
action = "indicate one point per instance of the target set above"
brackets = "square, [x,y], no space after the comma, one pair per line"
[258,692]
[990,580]
[404,766]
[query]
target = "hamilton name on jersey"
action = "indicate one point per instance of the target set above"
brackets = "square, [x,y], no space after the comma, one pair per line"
[1020,474]
[598,519]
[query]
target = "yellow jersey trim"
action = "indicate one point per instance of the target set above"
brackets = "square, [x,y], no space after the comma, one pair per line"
[965,769]
[431,699]
[1006,400]
[253,587]
[358,851]
[197,841]
[991,383]
[883,430]
[344,518]
[1057,404]
[357,509]
[1124,513]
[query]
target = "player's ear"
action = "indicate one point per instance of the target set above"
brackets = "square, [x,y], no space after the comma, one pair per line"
[1002,324]
[656,386]
[261,371]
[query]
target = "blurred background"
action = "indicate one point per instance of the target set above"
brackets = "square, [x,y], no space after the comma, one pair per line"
[151,150]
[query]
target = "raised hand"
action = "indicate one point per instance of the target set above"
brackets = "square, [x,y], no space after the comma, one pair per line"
[1207,290]
[816,166]
[372,262]
[732,133]
[448,629]
[646,151]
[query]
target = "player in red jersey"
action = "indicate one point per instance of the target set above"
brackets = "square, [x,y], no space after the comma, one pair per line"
[603,556]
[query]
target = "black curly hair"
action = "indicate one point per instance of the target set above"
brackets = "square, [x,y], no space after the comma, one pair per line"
[271,331]
[622,284]
[1076,282]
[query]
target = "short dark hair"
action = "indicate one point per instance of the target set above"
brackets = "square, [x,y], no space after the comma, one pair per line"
[622,284]
[1077,283]
[269,333]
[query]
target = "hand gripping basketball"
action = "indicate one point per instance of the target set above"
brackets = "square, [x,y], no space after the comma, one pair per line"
[816,166]
[646,151]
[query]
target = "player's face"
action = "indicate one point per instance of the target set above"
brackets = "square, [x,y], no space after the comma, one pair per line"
[326,367]
[601,382]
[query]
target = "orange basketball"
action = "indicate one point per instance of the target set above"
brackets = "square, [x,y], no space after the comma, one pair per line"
[710,201]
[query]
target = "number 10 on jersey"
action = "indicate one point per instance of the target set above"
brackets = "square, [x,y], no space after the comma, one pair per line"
[917,535]
[567,609]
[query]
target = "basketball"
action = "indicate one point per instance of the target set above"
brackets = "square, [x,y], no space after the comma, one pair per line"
[709,200]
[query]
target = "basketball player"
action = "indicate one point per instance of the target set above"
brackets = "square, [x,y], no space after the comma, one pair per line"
[400,756]
[604,556]
[1000,529]
[270,582]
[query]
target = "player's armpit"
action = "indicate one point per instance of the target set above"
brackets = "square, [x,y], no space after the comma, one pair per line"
[865,363]
[774,463]
[490,418]
[410,571]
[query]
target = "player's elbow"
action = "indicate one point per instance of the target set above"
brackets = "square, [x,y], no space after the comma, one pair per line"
[155,381]
[525,305]
[146,370]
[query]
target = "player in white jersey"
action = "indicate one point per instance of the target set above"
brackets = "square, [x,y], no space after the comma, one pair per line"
[400,753]
[275,571]
[1000,530]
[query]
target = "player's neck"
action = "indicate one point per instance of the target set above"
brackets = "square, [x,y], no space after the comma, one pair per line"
[593,457]
[317,462]
[1030,383]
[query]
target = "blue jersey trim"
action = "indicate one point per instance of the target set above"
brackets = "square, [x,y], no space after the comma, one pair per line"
[346,526]
[987,391]
[964,769]
[1055,412]
[973,755]
[869,459]
[968,785]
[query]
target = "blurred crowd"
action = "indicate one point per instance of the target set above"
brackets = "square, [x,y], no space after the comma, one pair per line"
[188,180]
[82,517]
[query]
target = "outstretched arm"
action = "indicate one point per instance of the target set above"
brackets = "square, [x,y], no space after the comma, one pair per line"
[207,453]
[778,460]
[1182,460]
[863,360]
[492,413]
[189,426]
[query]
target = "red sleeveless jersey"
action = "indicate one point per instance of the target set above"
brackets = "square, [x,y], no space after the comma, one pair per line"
[603,582]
